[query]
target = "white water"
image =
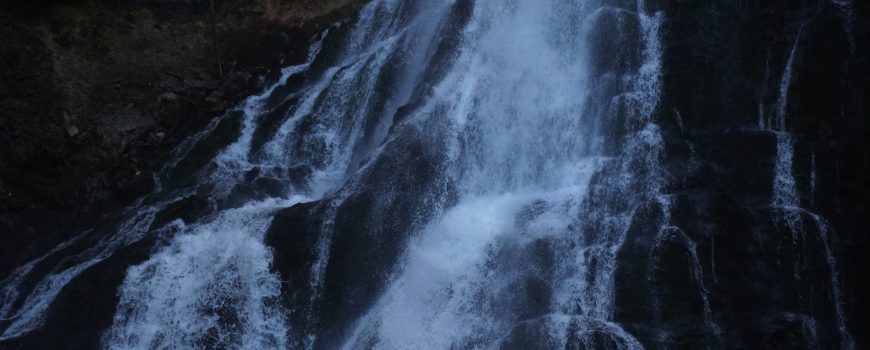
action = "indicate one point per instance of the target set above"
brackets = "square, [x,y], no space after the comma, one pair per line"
[785,196]
[210,287]
[519,141]
[784,186]
[846,341]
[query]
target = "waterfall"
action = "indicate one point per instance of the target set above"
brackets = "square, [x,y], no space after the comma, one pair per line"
[523,147]
[784,187]
[525,102]
[442,174]
[786,201]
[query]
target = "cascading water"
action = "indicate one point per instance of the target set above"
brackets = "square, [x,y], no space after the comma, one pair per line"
[785,198]
[447,174]
[525,107]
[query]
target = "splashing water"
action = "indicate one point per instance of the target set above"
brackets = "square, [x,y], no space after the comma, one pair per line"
[210,287]
[522,152]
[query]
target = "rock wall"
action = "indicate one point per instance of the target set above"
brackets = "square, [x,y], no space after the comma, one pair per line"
[769,273]
[94,95]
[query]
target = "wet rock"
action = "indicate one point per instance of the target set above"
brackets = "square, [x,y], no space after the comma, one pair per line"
[187,209]
[72,130]
[718,82]
[201,154]
[130,119]
[168,96]
[294,234]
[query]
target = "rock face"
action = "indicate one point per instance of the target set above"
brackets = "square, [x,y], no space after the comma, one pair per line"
[766,270]
[96,94]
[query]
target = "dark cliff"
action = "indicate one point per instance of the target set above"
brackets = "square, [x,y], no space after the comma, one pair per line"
[727,67]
